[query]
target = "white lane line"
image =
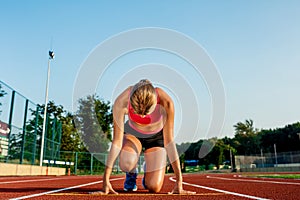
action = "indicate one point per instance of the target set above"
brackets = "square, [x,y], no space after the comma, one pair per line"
[219,190]
[62,189]
[252,180]
[31,180]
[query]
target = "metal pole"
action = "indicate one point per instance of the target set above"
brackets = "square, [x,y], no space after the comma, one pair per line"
[231,163]
[10,121]
[51,56]
[35,134]
[76,161]
[92,155]
[262,158]
[24,133]
[275,151]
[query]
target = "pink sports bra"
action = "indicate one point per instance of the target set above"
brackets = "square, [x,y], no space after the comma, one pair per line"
[153,117]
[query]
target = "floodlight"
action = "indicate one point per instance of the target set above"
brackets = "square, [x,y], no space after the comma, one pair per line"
[51,54]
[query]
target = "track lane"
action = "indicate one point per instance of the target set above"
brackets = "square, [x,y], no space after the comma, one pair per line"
[269,189]
[60,190]
[79,187]
[40,185]
[29,180]
[221,191]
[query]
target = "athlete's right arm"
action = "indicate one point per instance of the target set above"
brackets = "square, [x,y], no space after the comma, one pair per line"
[119,111]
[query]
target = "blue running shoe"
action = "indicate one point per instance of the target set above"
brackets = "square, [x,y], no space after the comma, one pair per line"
[130,182]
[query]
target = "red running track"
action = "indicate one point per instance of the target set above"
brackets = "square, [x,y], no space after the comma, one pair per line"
[207,186]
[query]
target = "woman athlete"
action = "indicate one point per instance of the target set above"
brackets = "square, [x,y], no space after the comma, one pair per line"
[150,127]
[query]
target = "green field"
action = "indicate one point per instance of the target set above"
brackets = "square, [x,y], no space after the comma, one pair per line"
[287,176]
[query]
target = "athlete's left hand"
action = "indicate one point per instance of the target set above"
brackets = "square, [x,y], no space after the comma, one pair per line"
[179,190]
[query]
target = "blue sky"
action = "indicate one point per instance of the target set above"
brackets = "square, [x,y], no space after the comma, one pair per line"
[255,46]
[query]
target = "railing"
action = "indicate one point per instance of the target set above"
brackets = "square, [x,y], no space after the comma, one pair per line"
[20,130]
[283,161]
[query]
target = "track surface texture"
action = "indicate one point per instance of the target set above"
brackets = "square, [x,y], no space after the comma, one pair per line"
[207,186]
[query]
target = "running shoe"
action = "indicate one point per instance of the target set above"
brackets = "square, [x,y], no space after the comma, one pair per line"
[130,182]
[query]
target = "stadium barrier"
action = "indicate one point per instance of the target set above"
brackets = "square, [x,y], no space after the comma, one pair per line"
[29,170]
[269,162]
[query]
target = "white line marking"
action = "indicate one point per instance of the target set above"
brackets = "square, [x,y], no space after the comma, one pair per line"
[252,180]
[62,189]
[31,180]
[222,191]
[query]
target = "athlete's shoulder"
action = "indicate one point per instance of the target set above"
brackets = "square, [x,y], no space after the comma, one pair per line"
[164,97]
[162,93]
[122,99]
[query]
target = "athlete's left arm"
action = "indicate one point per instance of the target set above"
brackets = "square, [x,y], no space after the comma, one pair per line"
[169,143]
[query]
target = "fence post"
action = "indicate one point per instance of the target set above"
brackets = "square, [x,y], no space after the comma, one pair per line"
[275,151]
[140,163]
[10,121]
[11,112]
[231,162]
[59,132]
[24,133]
[262,158]
[76,161]
[91,164]
[53,137]
[45,138]
[35,134]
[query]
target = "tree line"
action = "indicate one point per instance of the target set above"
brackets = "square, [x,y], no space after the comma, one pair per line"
[247,140]
[89,129]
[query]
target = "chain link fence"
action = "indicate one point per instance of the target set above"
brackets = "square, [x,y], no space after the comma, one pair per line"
[21,127]
[86,163]
[269,162]
[20,138]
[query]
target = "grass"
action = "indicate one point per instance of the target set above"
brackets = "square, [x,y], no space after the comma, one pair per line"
[193,169]
[286,176]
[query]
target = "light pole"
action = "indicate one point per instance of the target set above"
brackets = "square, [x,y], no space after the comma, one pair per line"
[51,56]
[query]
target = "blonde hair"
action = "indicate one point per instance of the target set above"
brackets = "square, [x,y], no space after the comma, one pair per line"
[142,97]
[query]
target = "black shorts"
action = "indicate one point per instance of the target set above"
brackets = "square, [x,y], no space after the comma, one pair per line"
[147,140]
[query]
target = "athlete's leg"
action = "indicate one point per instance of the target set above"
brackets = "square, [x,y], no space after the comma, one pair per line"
[155,158]
[130,153]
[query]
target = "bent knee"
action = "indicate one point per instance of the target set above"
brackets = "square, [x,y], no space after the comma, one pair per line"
[154,186]
[128,162]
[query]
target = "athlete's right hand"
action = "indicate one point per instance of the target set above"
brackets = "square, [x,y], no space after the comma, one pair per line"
[107,189]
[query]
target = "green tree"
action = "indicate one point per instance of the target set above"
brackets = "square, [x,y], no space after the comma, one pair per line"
[216,155]
[229,149]
[94,122]
[104,116]
[246,138]
[245,128]
[15,146]
[192,153]
[33,133]
[182,148]
[286,138]
[55,113]
[70,140]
